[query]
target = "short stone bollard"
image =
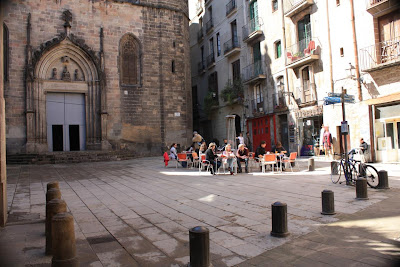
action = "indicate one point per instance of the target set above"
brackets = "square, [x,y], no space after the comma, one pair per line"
[63,239]
[53,185]
[279,219]
[328,202]
[311,166]
[53,193]
[199,243]
[383,180]
[53,207]
[334,167]
[361,189]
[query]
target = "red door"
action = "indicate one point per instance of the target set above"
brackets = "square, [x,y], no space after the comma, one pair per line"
[261,132]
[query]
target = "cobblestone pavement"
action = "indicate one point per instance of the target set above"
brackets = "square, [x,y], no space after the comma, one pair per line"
[137,213]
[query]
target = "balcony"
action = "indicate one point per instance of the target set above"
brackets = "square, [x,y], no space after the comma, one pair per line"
[200,35]
[252,31]
[294,7]
[231,8]
[307,95]
[381,55]
[210,61]
[253,73]
[199,8]
[257,107]
[381,7]
[201,68]
[280,103]
[303,52]
[232,47]
[209,26]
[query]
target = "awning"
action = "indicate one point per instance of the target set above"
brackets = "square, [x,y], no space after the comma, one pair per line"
[384,99]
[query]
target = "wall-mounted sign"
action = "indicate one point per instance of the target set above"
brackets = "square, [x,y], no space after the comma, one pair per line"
[304,113]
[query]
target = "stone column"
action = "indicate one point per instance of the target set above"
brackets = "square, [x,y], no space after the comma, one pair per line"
[3,176]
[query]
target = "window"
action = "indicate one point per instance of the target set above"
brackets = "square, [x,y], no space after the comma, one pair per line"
[341,52]
[130,60]
[274,5]
[305,75]
[234,32]
[213,84]
[304,32]
[278,49]
[258,96]
[200,23]
[218,45]
[173,66]
[389,27]
[202,55]
[254,16]
[279,84]
[6,55]
[211,46]
[236,70]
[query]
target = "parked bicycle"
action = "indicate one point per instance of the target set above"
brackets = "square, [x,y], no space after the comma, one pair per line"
[351,169]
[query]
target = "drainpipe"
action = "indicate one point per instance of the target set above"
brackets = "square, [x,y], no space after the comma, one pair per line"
[329,48]
[353,26]
[284,50]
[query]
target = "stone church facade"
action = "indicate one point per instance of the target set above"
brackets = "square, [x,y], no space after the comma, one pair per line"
[97,75]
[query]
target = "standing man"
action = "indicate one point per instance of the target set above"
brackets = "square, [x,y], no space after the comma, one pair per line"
[197,140]
[242,155]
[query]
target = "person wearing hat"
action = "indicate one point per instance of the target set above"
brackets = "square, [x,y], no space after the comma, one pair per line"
[211,157]
[197,141]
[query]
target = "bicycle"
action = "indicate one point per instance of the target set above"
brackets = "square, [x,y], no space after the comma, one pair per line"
[351,169]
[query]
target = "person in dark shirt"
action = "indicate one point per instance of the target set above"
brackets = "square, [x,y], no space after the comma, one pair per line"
[242,155]
[211,157]
[363,147]
[260,151]
[280,150]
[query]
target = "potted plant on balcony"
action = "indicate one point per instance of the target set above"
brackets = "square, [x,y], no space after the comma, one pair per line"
[210,103]
[233,92]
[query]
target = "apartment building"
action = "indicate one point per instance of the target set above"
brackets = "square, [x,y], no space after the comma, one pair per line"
[295,53]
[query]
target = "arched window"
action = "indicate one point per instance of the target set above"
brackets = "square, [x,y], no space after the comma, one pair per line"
[6,53]
[130,60]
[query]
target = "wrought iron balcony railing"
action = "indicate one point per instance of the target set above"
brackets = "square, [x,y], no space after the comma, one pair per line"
[253,26]
[279,101]
[201,67]
[231,44]
[383,54]
[308,47]
[210,59]
[230,7]
[257,106]
[252,71]
[209,25]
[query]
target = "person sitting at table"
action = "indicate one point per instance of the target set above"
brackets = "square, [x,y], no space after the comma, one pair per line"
[203,148]
[173,154]
[260,151]
[229,157]
[280,150]
[212,158]
[242,155]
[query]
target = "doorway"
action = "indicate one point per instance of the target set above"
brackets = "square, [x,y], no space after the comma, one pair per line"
[66,121]
[284,131]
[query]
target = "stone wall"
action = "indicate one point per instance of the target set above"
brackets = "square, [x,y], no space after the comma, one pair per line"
[143,118]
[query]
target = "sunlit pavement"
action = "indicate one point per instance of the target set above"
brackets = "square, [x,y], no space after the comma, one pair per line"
[137,213]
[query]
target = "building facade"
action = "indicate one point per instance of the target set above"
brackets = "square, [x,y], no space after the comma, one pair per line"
[295,53]
[97,75]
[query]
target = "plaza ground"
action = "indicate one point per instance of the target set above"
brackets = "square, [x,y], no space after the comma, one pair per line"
[137,213]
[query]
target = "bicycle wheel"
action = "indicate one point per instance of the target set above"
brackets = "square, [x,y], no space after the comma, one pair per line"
[335,177]
[372,176]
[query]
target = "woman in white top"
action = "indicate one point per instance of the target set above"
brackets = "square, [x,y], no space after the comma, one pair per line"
[241,138]
[229,156]
[172,152]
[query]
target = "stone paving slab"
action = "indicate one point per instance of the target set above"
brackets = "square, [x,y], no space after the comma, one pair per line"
[137,213]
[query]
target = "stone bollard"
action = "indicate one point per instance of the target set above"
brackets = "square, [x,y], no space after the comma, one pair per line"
[53,207]
[361,189]
[63,239]
[383,180]
[361,170]
[279,220]
[311,166]
[334,167]
[53,185]
[199,243]
[328,202]
[53,193]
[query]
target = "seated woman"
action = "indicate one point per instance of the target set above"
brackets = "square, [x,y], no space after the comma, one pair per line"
[173,154]
[203,148]
[279,149]
[229,156]
[212,158]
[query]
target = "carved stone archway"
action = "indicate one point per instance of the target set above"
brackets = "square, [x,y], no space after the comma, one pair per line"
[65,65]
